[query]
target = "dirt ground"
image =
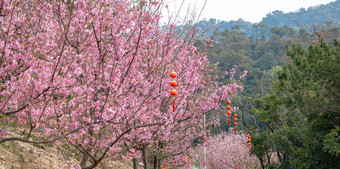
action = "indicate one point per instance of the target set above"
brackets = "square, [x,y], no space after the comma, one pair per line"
[19,155]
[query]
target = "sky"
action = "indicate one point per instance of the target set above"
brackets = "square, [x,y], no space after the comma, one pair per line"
[248,10]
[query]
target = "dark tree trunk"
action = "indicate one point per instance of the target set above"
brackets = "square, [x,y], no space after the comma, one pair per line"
[145,161]
[135,163]
[84,160]
[262,164]
[279,156]
[155,162]
[268,158]
[159,163]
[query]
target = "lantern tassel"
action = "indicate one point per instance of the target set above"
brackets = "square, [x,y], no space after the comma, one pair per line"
[235,129]
[249,149]
[173,105]
[228,120]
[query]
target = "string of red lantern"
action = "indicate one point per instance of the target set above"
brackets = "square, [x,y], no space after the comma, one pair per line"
[188,161]
[173,84]
[229,112]
[235,119]
[249,142]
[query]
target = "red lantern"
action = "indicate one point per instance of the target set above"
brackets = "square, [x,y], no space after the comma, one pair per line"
[235,119]
[229,113]
[173,92]
[173,74]
[173,83]
[235,125]
[188,162]
[249,142]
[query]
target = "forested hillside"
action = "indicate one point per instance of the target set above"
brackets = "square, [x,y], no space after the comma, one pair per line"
[302,17]
[297,20]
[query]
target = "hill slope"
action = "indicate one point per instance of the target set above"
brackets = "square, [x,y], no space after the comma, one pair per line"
[312,15]
[299,19]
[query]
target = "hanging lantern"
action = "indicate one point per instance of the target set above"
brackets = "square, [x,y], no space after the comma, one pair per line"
[188,162]
[249,142]
[229,112]
[235,119]
[173,91]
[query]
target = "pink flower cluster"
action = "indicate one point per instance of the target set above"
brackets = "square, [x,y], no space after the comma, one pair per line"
[227,151]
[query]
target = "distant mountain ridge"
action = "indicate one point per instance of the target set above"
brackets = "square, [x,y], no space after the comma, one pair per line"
[303,17]
[312,15]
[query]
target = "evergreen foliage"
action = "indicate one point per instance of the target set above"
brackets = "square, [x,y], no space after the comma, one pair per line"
[302,115]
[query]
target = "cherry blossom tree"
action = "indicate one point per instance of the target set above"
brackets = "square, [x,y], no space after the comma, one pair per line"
[226,150]
[95,75]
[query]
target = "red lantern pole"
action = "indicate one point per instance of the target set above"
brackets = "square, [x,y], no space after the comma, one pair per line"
[173,91]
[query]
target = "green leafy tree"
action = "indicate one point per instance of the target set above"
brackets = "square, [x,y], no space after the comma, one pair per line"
[302,114]
[313,81]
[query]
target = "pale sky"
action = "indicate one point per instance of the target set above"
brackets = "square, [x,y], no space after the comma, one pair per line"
[248,10]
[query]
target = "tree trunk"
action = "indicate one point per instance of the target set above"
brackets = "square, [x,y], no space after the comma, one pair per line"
[159,164]
[144,157]
[155,162]
[84,160]
[268,158]
[135,163]
[262,164]
[279,156]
